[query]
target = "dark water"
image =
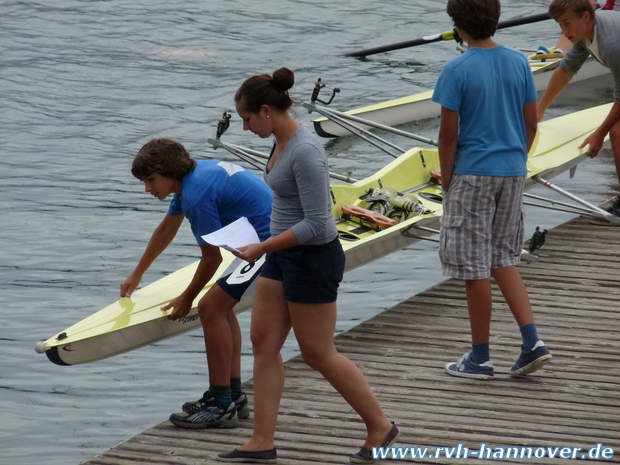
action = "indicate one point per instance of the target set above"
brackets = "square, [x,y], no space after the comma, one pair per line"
[83,84]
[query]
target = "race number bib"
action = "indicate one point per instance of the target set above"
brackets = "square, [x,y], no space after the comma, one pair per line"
[245,271]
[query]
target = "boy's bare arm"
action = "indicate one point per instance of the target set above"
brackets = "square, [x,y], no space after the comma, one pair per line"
[160,240]
[559,80]
[209,263]
[531,123]
[448,135]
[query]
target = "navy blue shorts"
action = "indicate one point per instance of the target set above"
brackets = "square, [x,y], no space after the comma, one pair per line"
[239,279]
[310,274]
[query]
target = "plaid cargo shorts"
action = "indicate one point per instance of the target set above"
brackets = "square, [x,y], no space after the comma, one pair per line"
[481,225]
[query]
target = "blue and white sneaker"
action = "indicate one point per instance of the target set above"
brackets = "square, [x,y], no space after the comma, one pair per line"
[543,51]
[207,401]
[466,368]
[532,360]
[208,417]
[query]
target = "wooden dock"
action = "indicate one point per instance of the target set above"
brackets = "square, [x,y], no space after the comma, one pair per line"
[572,402]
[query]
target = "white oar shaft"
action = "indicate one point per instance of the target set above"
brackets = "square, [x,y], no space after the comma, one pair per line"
[556,202]
[311,107]
[594,209]
[575,210]
[249,154]
[240,152]
[360,132]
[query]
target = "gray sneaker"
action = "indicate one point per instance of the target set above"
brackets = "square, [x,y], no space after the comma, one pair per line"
[242,405]
[208,417]
[532,360]
[466,368]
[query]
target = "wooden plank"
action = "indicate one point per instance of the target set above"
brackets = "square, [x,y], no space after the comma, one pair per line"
[573,402]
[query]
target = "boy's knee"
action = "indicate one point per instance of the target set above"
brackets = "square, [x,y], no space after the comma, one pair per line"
[214,305]
[204,312]
[209,310]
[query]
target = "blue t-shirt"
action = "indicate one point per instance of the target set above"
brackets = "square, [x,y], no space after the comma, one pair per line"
[488,87]
[217,193]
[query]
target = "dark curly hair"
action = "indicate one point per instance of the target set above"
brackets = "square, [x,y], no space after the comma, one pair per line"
[163,156]
[478,18]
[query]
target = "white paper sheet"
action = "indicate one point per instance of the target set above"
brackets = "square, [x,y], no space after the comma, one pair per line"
[237,234]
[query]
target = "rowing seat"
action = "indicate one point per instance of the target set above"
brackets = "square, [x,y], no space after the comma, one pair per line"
[369,215]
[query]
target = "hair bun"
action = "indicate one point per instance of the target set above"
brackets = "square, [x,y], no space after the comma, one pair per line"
[283,79]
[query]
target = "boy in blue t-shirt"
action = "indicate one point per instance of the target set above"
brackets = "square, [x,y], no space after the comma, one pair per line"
[211,195]
[488,124]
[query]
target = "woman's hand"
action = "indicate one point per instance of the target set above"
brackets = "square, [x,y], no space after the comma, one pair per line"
[251,252]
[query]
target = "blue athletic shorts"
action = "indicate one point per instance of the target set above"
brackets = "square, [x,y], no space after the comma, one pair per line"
[310,274]
[239,279]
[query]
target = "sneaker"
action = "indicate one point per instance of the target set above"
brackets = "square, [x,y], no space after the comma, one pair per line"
[615,208]
[208,417]
[466,368]
[532,360]
[543,51]
[242,405]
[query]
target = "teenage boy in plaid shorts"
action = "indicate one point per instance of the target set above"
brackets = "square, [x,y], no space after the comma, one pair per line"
[488,124]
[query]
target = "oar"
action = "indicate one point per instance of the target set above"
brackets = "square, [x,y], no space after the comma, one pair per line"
[250,156]
[448,35]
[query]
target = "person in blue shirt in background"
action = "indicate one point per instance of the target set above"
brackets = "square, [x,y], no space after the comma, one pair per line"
[211,194]
[488,124]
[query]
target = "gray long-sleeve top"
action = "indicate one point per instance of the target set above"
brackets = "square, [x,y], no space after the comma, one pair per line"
[607,36]
[301,198]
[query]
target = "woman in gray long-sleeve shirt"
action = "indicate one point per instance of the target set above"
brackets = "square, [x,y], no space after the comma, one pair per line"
[299,280]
